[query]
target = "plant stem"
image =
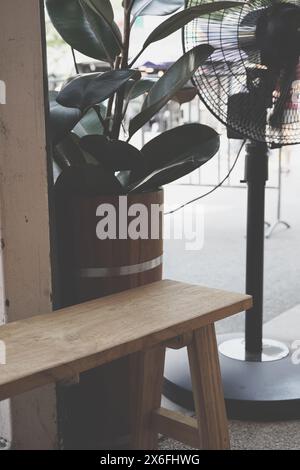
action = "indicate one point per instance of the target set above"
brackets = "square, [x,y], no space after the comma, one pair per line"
[74,59]
[130,5]
[111,100]
[118,116]
[124,62]
[98,112]
[136,58]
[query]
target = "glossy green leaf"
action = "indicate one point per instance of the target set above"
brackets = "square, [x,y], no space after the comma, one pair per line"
[174,154]
[108,35]
[194,140]
[124,178]
[68,152]
[88,180]
[113,155]
[86,91]
[169,84]
[186,94]
[179,20]
[90,124]
[158,178]
[102,8]
[155,7]
[84,30]
[62,120]
[134,89]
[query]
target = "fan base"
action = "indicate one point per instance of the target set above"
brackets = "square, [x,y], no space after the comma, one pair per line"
[272,350]
[254,391]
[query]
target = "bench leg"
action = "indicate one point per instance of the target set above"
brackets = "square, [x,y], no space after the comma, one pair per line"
[147,370]
[208,390]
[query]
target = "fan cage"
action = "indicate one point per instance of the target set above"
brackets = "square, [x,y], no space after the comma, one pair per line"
[222,80]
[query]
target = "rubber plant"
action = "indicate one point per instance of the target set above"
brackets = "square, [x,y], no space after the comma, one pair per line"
[89,112]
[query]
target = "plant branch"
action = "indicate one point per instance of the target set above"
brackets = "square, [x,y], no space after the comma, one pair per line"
[118,116]
[131,2]
[111,102]
[124,62]
[136,58]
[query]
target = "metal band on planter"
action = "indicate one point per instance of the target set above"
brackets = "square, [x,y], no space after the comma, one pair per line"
[92,273]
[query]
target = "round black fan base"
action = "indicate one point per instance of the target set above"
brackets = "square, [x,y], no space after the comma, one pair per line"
[254,391]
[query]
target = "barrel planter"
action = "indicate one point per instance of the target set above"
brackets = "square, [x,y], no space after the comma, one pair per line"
[107,266]
[94,413]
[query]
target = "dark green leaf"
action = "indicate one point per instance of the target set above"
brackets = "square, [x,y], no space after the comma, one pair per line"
[90,35]
[186,94]
[86,91]
[176,153]
[188,141]
[113,155]
[102,8]
[90,123]
[155,7]
[179,20]
[163,176]
[68,152]
[109,35]
[62,120]
[89,180]
[124,178]
[134,89]
[169,84]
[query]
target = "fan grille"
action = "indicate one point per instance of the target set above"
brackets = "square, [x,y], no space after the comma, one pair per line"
[223,81]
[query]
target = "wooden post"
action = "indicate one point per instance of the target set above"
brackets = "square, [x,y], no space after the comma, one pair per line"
[25,245]
[147,369]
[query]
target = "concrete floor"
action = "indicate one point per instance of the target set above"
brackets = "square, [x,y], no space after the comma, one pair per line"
[221,263]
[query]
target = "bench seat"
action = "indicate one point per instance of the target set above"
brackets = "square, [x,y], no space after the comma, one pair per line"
[140,323]
[59,345]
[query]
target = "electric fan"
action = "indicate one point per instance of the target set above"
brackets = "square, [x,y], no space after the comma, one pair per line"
[251,83]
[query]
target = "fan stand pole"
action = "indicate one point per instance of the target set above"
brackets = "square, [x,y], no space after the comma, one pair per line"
[260,380]
[256,176]
[254,348]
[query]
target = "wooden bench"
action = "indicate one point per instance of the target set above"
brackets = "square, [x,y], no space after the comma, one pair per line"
[141,323]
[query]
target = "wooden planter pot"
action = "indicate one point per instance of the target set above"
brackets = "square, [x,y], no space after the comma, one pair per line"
[93,414]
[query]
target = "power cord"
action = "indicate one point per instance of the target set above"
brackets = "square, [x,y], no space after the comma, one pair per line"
[212,190]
